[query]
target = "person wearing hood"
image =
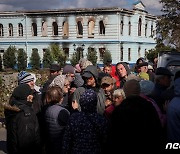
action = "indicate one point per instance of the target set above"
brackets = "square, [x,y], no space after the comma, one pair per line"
[86,131]
[21,122]
[123,71]
[90,77]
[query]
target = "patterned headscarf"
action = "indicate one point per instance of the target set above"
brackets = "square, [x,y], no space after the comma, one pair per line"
[88,101]
[58,81]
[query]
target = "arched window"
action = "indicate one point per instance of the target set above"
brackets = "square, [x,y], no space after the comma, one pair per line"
[139,27]
[79,28]
[101,27]
[34,29]
[55,28]
[20,29]
[65,29]
[10,29]
[91,28]
[129,26]
[1,30]
[44,28]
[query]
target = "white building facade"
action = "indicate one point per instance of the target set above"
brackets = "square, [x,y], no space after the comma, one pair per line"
[127,34]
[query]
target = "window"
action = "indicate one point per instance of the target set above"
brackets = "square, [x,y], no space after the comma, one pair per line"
[129,54]
[101,28]
[122,26]
[101,53]
[34,29]
[10,29]
[65,29]
[139,27]
[20,29]
[129,25]
[139,52]
[91,28]
[55,28]
[146,29]
[121,58]
[44,29]
[79,28]
[66,51]
[1,30]
[151,31]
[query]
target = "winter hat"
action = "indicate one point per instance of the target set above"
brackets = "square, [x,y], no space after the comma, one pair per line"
[78,81]
[90,71]
[22,91]
[85,64]
[144,76]
[88,101]
[107,80]
[133,76]
[68,69]
[58,81]
[25,77]
[147,87]
[131,87]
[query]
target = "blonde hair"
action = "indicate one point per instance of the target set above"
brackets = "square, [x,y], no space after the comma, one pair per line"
[119,92]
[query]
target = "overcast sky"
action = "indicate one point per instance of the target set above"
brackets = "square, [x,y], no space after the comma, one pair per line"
[152,6]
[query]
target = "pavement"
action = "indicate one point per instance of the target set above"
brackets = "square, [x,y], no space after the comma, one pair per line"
[3,141]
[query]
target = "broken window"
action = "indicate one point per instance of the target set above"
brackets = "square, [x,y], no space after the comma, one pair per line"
[1,30]
[65,29]
[55,28]
[91,28]
[10,29]
[80,28]
[34,29]
[44,29]
[101,28]
[139,27]
[20,29]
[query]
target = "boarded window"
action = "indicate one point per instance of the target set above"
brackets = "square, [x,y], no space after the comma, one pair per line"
[20,29]
[80,28]
[1,30]
[55,28]
[34,29]
[129,25]
[101,53]
[139,27]
[101,28]
[10,29]
[91,28]
[44,29]
[65,30]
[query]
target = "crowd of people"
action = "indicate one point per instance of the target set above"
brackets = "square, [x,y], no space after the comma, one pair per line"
[90,110]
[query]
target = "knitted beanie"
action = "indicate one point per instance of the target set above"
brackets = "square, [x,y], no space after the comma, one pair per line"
[22,91]
[131,87]
[68,69]
[58,81]
[147,87]
[78,81]
[25,77]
